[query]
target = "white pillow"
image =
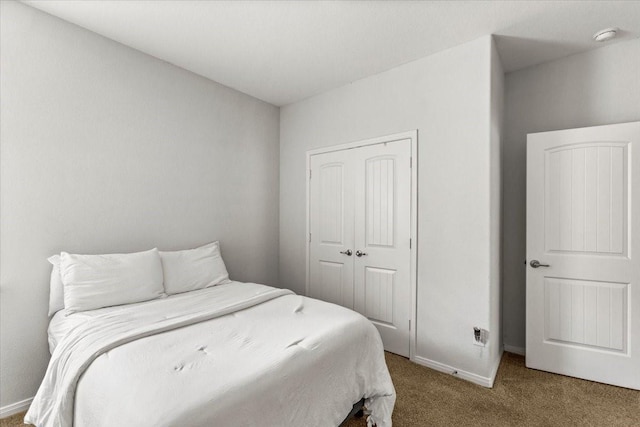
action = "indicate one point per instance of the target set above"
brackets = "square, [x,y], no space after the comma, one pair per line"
[95,281]
[56,289]
[193,269]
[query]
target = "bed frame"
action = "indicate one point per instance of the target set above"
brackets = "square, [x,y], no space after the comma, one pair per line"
[357,411]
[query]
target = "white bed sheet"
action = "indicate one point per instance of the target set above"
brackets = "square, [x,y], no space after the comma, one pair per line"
[63,321]
[288,361]
[59,326]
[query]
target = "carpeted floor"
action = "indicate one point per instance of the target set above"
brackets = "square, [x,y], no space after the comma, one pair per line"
[520,397]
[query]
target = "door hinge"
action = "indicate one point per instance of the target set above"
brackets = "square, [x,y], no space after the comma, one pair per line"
[309,173]
[410,162]
[409,324]
[409,243]
[309,237]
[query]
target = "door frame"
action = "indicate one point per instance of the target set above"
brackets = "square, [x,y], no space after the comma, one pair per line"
[413,267]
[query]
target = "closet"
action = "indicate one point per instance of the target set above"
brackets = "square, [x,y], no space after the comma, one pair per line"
[360,234]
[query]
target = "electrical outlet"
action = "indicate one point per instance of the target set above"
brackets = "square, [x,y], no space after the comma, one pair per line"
[480,336]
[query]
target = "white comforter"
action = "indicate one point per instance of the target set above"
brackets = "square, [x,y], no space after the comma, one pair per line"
[239,354]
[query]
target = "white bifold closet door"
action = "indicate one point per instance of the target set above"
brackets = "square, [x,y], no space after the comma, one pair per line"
[359,254]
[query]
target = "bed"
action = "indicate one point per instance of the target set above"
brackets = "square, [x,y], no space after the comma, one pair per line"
[234,354]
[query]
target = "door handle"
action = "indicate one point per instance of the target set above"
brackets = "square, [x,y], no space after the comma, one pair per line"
[359,254]
[347,252]
[535,264]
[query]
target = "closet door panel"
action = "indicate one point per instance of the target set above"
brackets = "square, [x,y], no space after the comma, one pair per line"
[382,231]
[331,211]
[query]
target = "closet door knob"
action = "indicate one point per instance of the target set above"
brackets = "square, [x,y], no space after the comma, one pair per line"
[535,264]
[359,254]
[347,252]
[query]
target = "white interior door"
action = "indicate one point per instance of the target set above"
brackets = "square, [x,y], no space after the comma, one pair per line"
[382,240]
[360,230]
[331,210]
[583,222]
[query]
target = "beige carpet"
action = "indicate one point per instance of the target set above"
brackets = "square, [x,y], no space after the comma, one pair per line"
[520,397]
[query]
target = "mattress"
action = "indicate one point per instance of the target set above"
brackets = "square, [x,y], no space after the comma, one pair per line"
[283,360]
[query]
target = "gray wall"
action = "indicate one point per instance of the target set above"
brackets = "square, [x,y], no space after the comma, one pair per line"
[594,88]
[105,149]
[446,97]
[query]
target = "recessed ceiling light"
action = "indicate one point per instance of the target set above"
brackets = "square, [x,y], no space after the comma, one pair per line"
[605,35]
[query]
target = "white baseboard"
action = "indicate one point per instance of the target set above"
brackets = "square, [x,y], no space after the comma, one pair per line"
[469,376]
[14,408]
[516,350]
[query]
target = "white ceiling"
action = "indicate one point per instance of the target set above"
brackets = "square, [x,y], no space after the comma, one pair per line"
[285,51]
